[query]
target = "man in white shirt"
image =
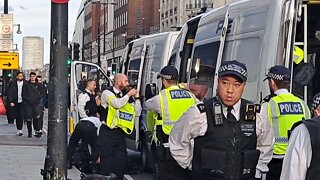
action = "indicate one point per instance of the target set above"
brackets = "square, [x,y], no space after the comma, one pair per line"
[86,129]
[15,97]
[87,99]
[301,160]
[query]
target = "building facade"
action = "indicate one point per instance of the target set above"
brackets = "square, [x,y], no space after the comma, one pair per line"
[32,52]
[106,26]
[175,13]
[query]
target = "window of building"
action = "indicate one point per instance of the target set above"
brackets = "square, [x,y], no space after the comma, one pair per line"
[126,22]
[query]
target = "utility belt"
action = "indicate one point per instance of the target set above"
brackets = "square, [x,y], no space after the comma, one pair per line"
[163,150]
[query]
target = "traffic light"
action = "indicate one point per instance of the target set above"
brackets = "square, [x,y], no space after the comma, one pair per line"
[7,74]
[76,51]
[69,60]
[114,68]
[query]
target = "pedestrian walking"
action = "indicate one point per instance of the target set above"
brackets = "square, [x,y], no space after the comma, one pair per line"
[170,104]
[223,137]
[33,106]
[43,98]
[17,96]
[302,159]
[11,116]
[121,109]
[283,109]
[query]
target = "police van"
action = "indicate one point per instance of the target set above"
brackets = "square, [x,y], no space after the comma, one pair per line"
[259,33]
[142,61]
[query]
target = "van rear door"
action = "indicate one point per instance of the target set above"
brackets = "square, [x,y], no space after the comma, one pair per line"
[80,72]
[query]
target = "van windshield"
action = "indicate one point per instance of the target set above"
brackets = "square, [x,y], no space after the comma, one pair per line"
[201,81]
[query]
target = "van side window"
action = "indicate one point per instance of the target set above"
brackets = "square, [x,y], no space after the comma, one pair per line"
[133,71]
[247,51]
[202,81]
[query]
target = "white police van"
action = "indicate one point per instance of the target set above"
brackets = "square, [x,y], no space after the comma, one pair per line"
[259,33]
[142,61]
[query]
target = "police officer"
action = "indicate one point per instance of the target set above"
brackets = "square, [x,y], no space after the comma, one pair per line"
[87,100]
[283,110]
[302,159]
[121,109]
[231,140]
[86,129]
[171,103]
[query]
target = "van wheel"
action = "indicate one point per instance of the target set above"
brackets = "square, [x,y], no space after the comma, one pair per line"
[156,172]
[145,157]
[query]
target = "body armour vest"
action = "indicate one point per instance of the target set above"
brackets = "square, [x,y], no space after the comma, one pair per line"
[227,151]
[91,106]
[313,127]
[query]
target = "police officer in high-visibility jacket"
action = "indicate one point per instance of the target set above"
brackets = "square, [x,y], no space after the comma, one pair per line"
[223,137]
[121,109]
[283,110]
[302,159]
[171,103]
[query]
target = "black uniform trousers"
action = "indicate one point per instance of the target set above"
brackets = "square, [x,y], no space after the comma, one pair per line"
[275,167]
[169,169]
[112,150]
[87,132]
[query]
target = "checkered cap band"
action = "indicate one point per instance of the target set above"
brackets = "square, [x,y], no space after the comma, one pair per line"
[233,67]
[278,77]
[315,102]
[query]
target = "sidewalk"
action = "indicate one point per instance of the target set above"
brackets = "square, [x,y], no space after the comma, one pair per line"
[22,157]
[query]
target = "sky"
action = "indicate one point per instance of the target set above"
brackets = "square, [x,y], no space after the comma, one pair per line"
[34,18]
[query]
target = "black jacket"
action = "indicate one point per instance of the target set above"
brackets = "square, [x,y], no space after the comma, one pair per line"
[30,95]
[41,90]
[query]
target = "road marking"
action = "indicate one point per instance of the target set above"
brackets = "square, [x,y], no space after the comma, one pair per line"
[128,177]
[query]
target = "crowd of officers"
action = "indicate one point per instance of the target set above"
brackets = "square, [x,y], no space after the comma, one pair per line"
[25,103]
[223,137]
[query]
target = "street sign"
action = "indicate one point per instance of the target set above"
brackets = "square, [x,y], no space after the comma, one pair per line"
[6,36]
[9,60]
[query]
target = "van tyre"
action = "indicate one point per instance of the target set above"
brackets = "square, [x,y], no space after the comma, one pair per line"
[145,157]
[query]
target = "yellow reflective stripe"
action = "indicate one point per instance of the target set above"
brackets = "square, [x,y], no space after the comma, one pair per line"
[274,118]
[164,109]
[169,123]
[306,110]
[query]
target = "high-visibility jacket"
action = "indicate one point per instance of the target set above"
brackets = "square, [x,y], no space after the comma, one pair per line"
[122,117]
[298,54]
[283,111]
[174,101]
